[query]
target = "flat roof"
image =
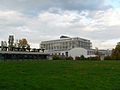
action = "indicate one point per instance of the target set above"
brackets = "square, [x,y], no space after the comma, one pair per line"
[16,52]
[62,39]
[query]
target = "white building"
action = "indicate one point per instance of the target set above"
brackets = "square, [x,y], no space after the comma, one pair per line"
[66,43]
[67,46]
[77,52]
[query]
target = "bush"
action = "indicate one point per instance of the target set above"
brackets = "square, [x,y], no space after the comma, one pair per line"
[108,58]
[69,58]
[93,58]
[77,58]
[56,57]
[80,58]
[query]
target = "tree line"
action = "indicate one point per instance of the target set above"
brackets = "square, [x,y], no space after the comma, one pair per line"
[115,53]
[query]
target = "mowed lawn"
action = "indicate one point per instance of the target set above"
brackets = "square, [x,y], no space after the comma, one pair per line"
[60,75]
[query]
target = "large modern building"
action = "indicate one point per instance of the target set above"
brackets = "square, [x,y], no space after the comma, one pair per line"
[66,43]
[67,46]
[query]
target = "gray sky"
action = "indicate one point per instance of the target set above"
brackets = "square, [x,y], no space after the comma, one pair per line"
[39,20]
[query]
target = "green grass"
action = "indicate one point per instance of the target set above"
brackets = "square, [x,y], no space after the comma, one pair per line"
[60,75]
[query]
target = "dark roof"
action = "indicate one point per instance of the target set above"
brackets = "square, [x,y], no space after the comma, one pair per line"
[14,52]
[64,37]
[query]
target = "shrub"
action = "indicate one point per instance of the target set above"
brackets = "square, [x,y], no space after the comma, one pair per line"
[93,58]
[60,57]
[69,58]
[82,57]
[77,58]
[56,57]
[108,58]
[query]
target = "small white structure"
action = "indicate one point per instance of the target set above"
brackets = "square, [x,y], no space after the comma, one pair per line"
[77,52]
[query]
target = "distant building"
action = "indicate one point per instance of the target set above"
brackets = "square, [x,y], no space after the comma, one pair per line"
[66,46]
[75,47]
[66,43]
[104,53]
[11,51]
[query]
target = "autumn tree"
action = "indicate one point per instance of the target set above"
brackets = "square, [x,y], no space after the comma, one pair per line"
[23,43]
[116,52]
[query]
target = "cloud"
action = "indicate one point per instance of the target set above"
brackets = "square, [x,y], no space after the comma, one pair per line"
[11,18]
[97,23]
[32,7]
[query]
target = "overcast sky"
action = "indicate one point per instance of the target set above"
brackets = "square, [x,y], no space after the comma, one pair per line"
[39,20]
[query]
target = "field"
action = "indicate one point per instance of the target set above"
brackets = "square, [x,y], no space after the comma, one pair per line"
[60,75]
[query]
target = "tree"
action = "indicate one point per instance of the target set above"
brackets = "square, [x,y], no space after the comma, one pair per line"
[28,48]
[116,52]
[23,43]
[82,57]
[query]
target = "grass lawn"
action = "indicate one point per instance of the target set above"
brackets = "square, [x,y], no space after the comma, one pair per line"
[60,75]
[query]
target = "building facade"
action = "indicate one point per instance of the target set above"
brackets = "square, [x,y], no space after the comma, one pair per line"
[11,55]
[66,43]
[66,46]
[74,47]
